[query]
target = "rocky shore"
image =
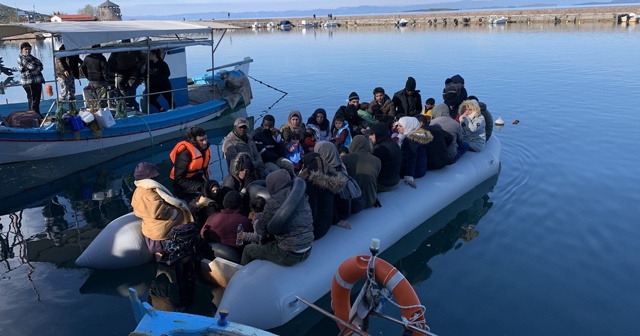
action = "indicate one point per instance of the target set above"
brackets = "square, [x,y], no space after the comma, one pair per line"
[555,15]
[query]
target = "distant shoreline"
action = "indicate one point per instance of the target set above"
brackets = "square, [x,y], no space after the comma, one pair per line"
[575,14]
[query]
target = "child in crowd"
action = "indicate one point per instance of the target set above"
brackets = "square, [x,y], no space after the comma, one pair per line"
[428,107]
[340,131]
[257,206]
[295,151]
[473,125]
[365,115]
[310,138]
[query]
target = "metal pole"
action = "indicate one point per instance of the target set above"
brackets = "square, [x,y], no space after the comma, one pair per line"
[212,52]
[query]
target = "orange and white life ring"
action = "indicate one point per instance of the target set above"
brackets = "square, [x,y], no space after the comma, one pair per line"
[354,269]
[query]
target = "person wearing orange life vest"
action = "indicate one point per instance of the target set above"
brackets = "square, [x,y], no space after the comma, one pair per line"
[190,159]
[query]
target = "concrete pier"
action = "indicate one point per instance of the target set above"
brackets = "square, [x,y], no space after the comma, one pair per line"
[561,15]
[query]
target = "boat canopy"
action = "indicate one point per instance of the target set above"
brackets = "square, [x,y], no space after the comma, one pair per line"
[82,35]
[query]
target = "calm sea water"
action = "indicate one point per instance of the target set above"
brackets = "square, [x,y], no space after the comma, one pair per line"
[557,243]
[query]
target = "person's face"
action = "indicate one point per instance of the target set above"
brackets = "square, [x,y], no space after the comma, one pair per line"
[26,51]
[295,121]
[241,130]
[339,123]
[201,141]
[243,173]
[267,124]
[468,111]
[428,106]
[354,102]
[214,189]
[372,138]
[400,129]
[379,97]
[319,118]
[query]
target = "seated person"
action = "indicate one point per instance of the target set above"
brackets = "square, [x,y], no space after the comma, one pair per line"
[155,205]
[429,104]
[222,227]
[310,139]
[323,186]
[241,174]
[295,151]
[341,134]
[271,146]
[293,238]
[437,149]
[389,154]
[364,167]
[190,159]
[320,124]
[473,125]
[413,142]
[366,115]
[238,141]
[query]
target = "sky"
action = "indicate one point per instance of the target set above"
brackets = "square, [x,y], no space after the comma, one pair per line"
[164,7]
[167,7]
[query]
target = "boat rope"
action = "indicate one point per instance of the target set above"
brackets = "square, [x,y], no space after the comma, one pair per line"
[148,128]
[266,111]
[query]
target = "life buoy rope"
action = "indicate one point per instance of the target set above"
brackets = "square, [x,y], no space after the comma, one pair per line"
[355,268]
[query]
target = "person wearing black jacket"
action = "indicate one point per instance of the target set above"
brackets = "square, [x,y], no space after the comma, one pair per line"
[94,67]
[437,149]
[389,154]
[408,101]
[269,143]
[159,81]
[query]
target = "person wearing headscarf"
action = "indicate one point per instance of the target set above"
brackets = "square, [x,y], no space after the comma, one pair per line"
[473,125]
[320,124]
[364,167]
[159,210]
[323,184]
[389,154]
[413,142]
[345,207]
[292,244]
[209,203]
[294,125]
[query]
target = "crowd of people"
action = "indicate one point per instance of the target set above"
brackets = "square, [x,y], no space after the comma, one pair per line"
[287,186]
[122,73]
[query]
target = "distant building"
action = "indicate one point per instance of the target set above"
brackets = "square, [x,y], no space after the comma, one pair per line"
[109,11]
[72,17]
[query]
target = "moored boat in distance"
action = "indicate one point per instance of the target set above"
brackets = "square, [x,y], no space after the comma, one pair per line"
[110,135]
[498,20]
[285,25]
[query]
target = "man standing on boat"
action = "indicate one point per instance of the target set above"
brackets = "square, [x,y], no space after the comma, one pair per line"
[67,70]
[126,66]
[30,69]
[238,141]
[190,159]
[94,67]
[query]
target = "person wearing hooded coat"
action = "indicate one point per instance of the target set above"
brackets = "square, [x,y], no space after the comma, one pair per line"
[454,94]
[241,173]
[293,243]
[320,124]
[364,167]
[413,142]
[408,101]
[473,125]
[209,203]
[323,184]
[155,205]
[345,207]
[390,156]
[293,126]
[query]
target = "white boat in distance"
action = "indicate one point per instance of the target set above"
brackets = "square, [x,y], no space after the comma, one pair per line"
[498,20]
[195,103]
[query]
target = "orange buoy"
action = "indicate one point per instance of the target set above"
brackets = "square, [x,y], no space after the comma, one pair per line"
[49,90]
[354,269]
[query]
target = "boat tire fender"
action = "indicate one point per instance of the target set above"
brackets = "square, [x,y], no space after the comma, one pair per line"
[225,251]
[354,269]
[279,223]
[258,188]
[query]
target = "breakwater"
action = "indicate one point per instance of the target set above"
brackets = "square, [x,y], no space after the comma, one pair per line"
[554,15]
